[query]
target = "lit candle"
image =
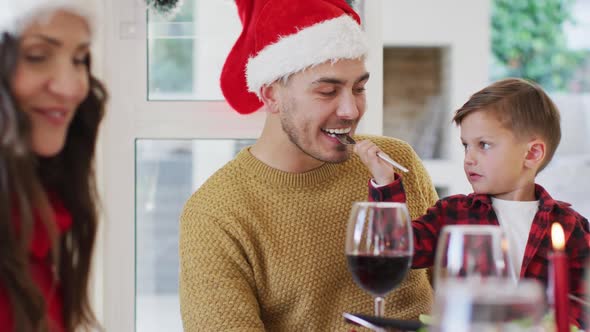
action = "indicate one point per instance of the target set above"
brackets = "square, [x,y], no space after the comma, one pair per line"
[558,271]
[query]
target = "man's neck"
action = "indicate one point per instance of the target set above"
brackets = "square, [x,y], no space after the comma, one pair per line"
[276,150]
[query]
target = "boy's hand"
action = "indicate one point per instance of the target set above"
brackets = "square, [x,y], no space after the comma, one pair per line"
[382,172]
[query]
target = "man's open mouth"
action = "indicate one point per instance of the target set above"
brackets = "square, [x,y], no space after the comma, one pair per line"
[337,132]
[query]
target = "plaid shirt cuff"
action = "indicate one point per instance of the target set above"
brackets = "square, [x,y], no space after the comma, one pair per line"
[393,192]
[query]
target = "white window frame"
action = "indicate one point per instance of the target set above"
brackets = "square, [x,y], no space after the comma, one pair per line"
[130,117]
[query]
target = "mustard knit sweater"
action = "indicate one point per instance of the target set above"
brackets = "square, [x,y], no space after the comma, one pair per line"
[263,249]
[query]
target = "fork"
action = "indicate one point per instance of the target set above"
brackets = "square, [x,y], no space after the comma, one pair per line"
[579,300]
[347,140]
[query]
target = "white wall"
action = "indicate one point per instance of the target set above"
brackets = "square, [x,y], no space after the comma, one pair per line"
[218,30]
[463,28]
[99,70]
[372,121]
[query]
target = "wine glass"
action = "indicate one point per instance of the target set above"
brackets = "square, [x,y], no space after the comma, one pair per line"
[493,304]
[379,247]
[471,251]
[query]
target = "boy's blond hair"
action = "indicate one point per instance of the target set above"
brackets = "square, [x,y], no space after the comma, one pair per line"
[522,107]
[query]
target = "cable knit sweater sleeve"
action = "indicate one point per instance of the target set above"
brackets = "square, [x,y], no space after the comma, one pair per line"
[223,278]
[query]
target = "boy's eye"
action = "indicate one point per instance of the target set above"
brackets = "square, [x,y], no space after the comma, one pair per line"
[484,145]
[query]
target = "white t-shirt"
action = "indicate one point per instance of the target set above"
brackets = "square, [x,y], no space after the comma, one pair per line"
[515,218]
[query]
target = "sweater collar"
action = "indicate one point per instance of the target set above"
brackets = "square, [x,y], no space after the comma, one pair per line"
[254,167]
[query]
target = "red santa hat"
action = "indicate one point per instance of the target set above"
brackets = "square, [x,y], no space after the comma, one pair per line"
[282,37]
[16,15]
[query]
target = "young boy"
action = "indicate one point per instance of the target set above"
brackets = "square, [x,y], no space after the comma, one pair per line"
[510,131]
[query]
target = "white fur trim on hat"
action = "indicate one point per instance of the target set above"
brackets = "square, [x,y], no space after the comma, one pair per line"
[16,15]
[330,40]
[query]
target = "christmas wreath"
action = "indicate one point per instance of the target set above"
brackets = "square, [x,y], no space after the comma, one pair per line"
[164,7]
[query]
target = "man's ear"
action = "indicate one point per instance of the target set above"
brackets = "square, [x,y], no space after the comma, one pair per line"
[270,97]
[535,153]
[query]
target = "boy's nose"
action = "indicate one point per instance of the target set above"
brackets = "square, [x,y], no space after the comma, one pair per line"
[469,158]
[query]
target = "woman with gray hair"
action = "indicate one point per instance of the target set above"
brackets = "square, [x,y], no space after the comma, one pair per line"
[50,110]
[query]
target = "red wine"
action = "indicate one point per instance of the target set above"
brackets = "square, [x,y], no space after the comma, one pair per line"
[378,275]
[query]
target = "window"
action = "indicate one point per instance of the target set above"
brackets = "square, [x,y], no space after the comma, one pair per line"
[167,173]
[168,128]
[555,53]
[186,52]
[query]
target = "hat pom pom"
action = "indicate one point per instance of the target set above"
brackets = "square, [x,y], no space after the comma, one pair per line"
[164,7]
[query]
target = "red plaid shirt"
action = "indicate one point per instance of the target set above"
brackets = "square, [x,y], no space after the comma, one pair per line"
[476,209]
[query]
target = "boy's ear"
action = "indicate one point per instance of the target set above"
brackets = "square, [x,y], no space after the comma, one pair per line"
[270,97]
[535,153]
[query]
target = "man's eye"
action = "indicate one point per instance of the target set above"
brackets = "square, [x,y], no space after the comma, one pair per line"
[359,90]
[328,93]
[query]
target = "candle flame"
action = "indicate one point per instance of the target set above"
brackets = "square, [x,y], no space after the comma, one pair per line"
[557,236]
[504,245]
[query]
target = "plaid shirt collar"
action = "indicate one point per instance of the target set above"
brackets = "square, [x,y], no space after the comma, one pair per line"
[546,202]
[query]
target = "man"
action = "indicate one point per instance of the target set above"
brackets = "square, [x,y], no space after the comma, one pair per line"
[262,241]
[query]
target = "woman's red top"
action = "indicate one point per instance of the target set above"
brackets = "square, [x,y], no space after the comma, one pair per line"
[41,268]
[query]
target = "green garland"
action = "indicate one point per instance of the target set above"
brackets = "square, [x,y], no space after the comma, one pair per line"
[351,3]
[164,7]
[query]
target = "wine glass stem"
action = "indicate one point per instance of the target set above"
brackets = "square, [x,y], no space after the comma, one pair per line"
[379,306]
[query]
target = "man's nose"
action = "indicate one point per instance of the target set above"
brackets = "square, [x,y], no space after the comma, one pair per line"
[348,108]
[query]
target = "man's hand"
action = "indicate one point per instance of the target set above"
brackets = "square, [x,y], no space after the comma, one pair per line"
[382,172]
